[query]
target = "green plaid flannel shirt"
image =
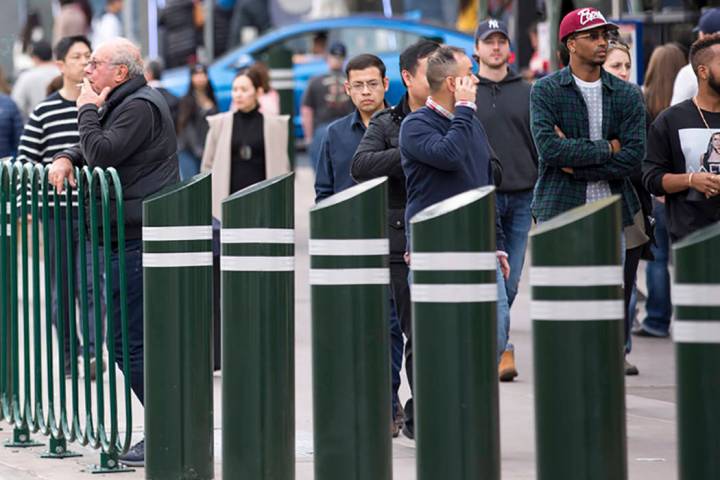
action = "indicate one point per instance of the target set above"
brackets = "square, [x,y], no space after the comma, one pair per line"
[556,101]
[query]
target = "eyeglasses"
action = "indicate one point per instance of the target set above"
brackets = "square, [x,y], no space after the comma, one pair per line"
[93,64]
[595,36]
[360,86]
[79,57]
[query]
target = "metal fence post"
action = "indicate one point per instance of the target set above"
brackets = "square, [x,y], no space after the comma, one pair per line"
[696,296]
[454,295]
[177,282]
[577,312]
[258,305]
[349,278]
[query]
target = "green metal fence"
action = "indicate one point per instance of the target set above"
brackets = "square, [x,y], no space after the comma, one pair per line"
[37,393]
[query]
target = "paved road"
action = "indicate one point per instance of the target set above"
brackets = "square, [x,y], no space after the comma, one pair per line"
[650,401]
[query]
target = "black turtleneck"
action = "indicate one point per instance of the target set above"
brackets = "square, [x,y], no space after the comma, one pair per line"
[247,150]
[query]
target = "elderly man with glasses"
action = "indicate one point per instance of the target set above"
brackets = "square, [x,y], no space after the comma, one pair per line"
[125,124]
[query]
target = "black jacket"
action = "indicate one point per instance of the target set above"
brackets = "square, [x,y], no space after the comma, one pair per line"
[134,133]
[379,155]
[504,110]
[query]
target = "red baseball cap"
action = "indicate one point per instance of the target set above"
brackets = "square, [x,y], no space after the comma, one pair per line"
[582,19]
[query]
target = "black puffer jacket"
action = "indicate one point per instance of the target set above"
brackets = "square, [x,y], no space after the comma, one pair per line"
[134,133]
[379,155]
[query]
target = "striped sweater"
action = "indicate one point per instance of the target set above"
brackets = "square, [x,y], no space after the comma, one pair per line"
[52,127]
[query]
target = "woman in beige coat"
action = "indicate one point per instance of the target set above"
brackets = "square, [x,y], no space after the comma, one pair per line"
[244,146]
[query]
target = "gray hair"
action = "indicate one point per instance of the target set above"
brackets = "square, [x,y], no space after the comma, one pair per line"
[124,52]
[442,63]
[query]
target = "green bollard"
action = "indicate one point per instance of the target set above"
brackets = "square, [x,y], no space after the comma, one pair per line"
[696,331]
[349,278]
[282,79]
[577,312]
[258,304]
[177,289]
[454,296]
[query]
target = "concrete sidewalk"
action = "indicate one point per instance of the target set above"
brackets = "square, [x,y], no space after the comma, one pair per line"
[650,401]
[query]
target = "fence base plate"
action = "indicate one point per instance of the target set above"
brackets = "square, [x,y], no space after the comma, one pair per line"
[110,464]
[21,439]
[58,449]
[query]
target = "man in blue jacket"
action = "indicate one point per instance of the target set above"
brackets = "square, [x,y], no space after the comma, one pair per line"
[366,84]
[445,151]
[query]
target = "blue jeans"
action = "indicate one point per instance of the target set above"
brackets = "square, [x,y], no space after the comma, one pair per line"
[189,164]
[134,310]
[503,316]
[659,305]
[397,344]
[515,216]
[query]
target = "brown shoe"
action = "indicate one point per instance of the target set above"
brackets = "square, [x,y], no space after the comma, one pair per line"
[506,370]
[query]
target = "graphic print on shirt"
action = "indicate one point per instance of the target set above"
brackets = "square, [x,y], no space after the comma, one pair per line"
[701,149]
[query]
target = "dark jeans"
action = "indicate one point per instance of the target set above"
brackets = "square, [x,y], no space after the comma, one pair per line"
[396,352]
[134,311]
[401,295]
[632,260]
[77,298]
[659,305]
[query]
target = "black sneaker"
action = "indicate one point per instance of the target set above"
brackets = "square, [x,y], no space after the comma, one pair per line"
[135,457]
[409,431]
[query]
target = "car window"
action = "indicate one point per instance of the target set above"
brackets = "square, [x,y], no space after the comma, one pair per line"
[306,47]
[373,40]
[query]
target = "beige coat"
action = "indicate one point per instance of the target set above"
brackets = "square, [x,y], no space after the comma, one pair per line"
[218,145]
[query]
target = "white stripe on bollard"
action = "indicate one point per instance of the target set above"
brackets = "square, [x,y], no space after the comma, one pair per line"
[257,264]
[353,247]
[585,310]
[257,235]
[696,294]
[577,276]
[696,331]
[177,233]
[184,259]
[282,84]
[454,293]
[453,261]
[281,73]
[349,276]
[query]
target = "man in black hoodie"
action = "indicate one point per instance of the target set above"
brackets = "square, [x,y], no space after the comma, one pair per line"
[503,100]
[378,155]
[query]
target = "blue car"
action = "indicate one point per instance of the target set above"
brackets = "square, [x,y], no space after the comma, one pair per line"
[384,37]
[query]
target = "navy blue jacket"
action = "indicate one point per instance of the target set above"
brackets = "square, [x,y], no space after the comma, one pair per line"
[442,158]
[11,126]
[333,170]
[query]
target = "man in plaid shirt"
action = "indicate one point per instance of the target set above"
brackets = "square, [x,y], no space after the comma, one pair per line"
[589,126]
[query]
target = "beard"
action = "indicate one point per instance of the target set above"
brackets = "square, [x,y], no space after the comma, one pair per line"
[714,84]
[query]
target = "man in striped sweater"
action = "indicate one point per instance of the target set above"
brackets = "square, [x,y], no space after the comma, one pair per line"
[51,128]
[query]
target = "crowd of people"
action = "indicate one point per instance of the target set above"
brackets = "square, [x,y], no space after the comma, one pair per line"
[576,136]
